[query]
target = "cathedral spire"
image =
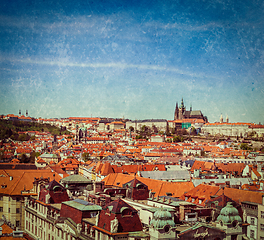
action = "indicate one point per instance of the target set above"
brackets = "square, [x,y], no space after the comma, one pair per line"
[176,111]
[182,104]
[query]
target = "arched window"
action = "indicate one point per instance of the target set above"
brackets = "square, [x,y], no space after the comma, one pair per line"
[125,211]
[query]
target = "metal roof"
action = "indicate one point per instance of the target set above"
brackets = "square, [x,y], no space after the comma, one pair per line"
[83,205]
[75,179]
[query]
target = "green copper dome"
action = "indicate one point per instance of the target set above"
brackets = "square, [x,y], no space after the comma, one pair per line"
[162,217]
[229,214]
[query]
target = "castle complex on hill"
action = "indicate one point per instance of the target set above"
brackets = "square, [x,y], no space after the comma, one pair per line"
[181,113]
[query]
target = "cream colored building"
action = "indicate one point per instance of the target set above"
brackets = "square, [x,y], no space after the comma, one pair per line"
[260,235]
[226,129]
[16,185]
[160,124]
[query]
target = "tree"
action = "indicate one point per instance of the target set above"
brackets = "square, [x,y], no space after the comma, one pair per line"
[23,137]
[32,138]
[193,131]
[2,154]
[86,156]
[131,129]
[178,139]
[32,157]
[244,146]
[23,158]
[154,129]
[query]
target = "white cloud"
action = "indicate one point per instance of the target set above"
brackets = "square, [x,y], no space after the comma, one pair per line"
[111,65]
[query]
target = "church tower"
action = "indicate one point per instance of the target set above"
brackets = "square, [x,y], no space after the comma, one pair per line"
[221,119]
[176,113]
[181,110]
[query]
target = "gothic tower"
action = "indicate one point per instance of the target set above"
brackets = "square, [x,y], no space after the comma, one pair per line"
[181,110]
[176,113]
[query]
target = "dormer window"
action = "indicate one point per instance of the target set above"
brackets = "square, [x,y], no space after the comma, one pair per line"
[57,189]
[126,212]
[140,187]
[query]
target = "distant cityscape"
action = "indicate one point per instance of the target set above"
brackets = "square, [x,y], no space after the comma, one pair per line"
[115,178]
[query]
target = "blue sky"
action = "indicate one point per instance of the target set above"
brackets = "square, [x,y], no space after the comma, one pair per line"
[132,59]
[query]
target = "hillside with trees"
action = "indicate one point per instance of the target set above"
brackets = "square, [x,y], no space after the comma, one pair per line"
[15,129]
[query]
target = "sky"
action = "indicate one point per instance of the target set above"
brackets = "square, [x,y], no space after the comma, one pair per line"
[132,59]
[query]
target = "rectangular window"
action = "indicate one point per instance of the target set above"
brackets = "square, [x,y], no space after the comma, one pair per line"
[17,224]
[262,227]
[262,214]
[17,210]
[252,221]
[252,233]
[1,198]
[1,209]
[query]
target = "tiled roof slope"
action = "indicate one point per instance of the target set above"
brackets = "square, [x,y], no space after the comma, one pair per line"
[204,192]
[160,188]
[20,180]
[239,195]
[200,194]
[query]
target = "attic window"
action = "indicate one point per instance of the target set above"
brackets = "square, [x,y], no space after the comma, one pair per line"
[117,183]
[126,212]
[140,187]
[3,186]
[57,189]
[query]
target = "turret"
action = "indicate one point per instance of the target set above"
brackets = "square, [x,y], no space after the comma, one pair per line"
[221,119]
